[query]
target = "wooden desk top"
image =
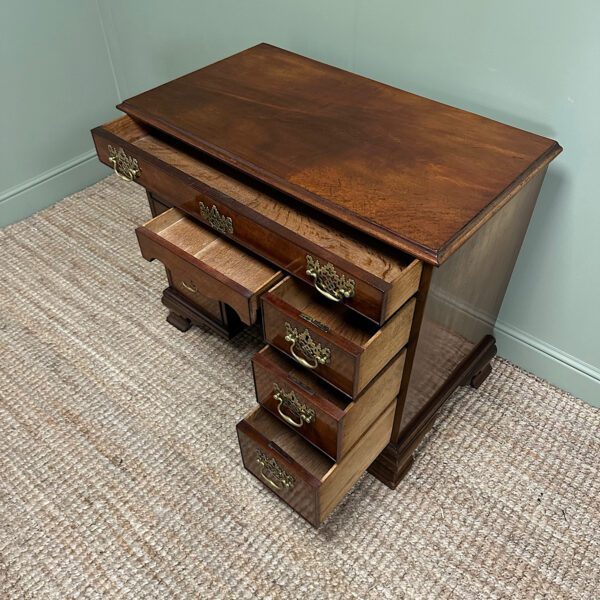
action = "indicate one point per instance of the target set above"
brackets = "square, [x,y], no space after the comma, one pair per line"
[417,174]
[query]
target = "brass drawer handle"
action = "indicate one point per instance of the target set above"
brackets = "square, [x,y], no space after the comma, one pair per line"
[289,400]
[126,167]
[215,219]
[272,472]
[328,281]
[190,287]
[316,353]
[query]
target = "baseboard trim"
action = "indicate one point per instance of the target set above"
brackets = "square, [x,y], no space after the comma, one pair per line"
[544,360]
[532,354]
[21,201]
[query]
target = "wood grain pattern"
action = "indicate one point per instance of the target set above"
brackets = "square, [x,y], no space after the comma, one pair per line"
[254,434]
[417,174]
[345,473]
[206,264]
[307,159]
[385,343]
[338,423]
[463,300]
[319,483]
[268,223]
[359,350]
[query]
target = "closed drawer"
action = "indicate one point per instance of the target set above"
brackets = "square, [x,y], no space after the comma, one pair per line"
[180,280]
[311,483]
[317,412]
[204,265]
[344,265]
[341,347]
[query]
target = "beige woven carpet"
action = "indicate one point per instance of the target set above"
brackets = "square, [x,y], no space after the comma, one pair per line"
[120,475]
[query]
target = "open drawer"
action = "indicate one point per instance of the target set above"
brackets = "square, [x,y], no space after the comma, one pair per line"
[204,265]
[319,413]
[312,484]
[341,347]
[344,265]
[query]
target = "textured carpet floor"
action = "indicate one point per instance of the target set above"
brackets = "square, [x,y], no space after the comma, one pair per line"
[120,475]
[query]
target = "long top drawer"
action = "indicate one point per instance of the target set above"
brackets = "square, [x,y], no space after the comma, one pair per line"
[344,265]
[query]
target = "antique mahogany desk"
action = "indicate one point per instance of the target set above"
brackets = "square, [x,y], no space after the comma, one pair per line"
[372,232]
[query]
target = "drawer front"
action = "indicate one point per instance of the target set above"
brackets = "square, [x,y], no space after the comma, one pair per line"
[334,276]
[187,285]
[332,344]
[324,356]
[312,484]
[298,405]
[324,417]
[278,472]
[293,255]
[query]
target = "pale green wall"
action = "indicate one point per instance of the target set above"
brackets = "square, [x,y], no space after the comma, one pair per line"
[55,83]
[530,63]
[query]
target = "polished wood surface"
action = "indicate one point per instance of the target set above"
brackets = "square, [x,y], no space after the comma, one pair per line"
[463,300]
[422,206]
[337,422]
[319,484]
[261,432]
[268,223]
[205,265]
[417,174]
[358,349]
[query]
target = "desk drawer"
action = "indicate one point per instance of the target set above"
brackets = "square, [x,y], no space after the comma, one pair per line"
[337,345]
[317,412]
[203,265]
[345,266]
[311,483]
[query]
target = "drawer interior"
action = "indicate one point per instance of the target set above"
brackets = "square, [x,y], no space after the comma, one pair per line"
[219,254]
[337,318]
[384,263]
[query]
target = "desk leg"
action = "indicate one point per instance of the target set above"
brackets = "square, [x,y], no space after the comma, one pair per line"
[396,459]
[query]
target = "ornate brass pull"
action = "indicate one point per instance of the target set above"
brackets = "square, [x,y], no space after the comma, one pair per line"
[328,281]
[272,472]
[317,354]
[126,167]
[190,287]
[289,400]
[215,219]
